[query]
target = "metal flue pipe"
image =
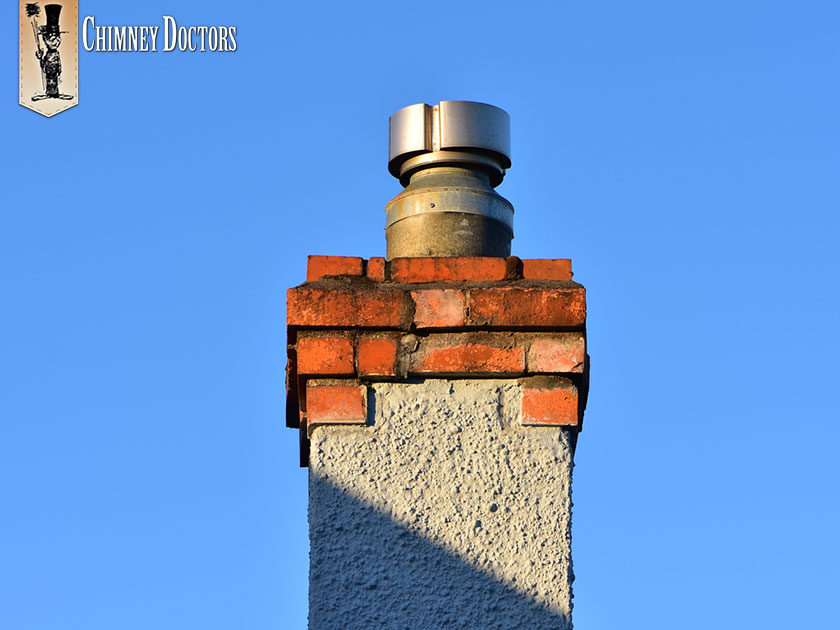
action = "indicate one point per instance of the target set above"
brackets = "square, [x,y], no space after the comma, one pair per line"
[449,157]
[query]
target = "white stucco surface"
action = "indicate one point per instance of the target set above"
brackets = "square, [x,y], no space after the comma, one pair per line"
[443,512]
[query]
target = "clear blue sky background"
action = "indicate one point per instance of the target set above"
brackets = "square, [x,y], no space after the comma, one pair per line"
[684,155]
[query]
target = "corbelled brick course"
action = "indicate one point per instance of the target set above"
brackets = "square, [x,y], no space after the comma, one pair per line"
[358,321]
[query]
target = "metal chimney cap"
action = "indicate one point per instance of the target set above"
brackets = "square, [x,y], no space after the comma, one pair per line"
[451,132]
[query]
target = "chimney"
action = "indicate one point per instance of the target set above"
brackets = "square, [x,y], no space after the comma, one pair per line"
[439,395]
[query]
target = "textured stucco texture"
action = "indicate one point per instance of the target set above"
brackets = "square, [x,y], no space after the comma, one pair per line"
[442,512]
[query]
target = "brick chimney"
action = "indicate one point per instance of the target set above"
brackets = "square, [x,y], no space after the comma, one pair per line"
[439,399]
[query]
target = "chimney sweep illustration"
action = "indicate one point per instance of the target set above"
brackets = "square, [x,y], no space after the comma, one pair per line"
[50,60]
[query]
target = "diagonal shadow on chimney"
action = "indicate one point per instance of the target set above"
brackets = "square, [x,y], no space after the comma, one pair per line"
[369,572]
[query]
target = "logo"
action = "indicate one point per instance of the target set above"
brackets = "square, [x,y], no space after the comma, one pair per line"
[49,56]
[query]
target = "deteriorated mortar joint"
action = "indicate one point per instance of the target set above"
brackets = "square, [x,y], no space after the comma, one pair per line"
[449,157]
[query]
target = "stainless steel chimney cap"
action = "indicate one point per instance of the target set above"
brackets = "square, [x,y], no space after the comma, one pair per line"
[451,132]
[449,158]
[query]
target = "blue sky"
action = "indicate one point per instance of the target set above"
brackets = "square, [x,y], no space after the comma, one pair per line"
[684,155]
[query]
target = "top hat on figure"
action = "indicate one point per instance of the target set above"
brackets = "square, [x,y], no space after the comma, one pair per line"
[51,27]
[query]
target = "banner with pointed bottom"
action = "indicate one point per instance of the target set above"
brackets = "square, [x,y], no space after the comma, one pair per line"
[49,55]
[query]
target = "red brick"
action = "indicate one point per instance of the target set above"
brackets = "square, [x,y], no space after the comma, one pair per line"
[547,269]
[339,404]
[376,269]
[557,353]
[454,269]
[521,307]
[352,307]
[466,358]
[439,308]
[325,356]
[319,266]
[378,356]
[550,405]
